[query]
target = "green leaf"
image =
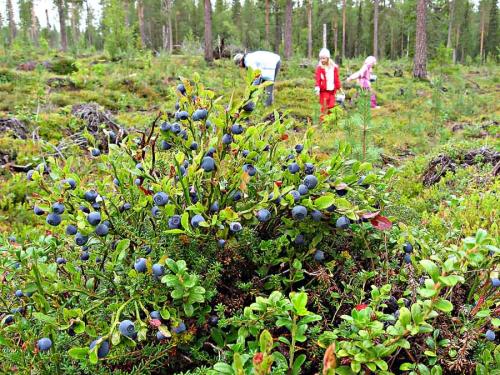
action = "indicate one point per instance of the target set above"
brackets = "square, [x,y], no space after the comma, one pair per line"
[444,305]
[265,341]
[427,293]
[451,280]
[299,301]
[431,268]
[297,364]
[93,356]
[78,353]
[404,316]
[121,249]
[185,220]
[325,201]
[223,368]
[381,364]
[45,318]
[188,309]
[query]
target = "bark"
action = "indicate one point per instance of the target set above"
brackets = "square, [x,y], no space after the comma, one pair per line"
[209,56]
[343,27]
[359,29]
[268,10]
[277,30]
[61,10]
[420,60]
[335,26]
[140,17]
[75,16]
[450,22]
[481,42]
[47,18]
[10,20]
[309,29]
[375,29]
[167,28]
[288,29]
[34,26]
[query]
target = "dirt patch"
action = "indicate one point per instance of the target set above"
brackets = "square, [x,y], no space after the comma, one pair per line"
[442,164]
[14,127]
[61,83]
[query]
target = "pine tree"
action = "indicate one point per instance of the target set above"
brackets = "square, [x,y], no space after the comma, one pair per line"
[209,56]
[11,21]
[61,10]
[491,44]
[420,60]
[288,29]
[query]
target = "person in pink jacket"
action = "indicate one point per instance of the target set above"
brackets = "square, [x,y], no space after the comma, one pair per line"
[363,77]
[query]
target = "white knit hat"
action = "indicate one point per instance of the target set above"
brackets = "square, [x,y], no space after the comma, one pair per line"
[324,53]
[237,58]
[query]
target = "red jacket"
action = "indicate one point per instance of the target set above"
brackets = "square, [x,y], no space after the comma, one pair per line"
[321,78]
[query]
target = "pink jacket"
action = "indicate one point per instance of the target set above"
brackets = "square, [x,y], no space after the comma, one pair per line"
[363,75]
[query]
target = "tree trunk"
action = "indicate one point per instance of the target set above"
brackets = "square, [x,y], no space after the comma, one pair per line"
[209,55]
[75,22]
[481,43]
[277,30]
[167,28]
[451,5]
[47,19]
[309,30]
[375,29]
[268,11]
[343,28]
[61,10]
[335,27]
[420,60]
[34,26]
[140,17]
[359,29]
[10,20]
[288,29]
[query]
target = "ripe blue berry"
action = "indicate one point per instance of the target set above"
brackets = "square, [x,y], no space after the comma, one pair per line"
[174,222]
[250,169]
[221,243]
[84,256]
[60,261]
[19,293]
[214,207]
[161,198]
[490,335]
[249,106]
[407,247]
[311,181]
[94,218]
[235,227]
[237,196]
[38,211]
[237,129]
[208,164]
[180,328]
[342,222]
[96,152]
[164,145]
[296,195]
[181,89]
[303,190]
[102,230]
[263,215]
[165,127]
[155,211]
[53,219]
[71,182]
[200,114]
[495,282]
[196,220]
[44,344]
[140,265]
[227,139]
[407,258]
[193,146]
[155,315]
[103,350]
[127,328]
[293,168]
[319,256]
[90,196]
[316,215]
[80,239]
[308,168]
[299,212]
[299,148]
[158,270]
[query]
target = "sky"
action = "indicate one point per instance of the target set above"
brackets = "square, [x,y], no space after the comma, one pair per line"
[40,6]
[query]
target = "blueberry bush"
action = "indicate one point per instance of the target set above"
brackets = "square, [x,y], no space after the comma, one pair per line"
[208,243]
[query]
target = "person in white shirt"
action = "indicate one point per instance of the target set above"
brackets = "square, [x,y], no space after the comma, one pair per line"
[267,62]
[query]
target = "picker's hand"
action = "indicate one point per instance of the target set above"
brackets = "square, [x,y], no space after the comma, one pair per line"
[316,90]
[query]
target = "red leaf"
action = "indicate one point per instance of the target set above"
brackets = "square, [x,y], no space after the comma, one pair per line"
[145,191]
[381,223]
[361,306]
[369,215]
[278,183]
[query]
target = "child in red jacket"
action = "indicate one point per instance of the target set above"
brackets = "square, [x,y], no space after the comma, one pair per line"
[327,82]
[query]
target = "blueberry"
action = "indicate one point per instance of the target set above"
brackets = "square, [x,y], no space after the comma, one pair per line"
[495,282]
[319,256]
[174,222]
[176,128]
[303,190]
[8,319]
[250,169]
[58,208]
[263,215]
[140,265]
[299,148]
[90,196]
[161,198]
[38,211]
[53,219]
[147,250]
[94,218]
[180,328]
[71,230]
[361,182]
[310,181]
[237,196]
[277,200]
[331,208]
[126,206]
[490,335]
[296,195]
[19,293]
[60,261]
[84,209]
[138,181]
[182,170]
[44,344]
[103,350]
[164,145]
[127,328]
[237,129]
[155,315]
[408,248]
[299,212]
[208,164]
[181,115]
[196,220]
[112,136]
[193,146]
[266,148]
[158,270]
[96,206]
[102,230]
[407,258]
[139,166]
[227,139]
[96,152]
[181,89]
[17,310]
[235,227]
[221,243]
[299,240]
[316,215]
[308,168]
[80,239]
[213,320]
[29,175]
[200,114]
[85,256]
[342,222]
[71,182]
[155,211]
[211,151]
[249,106]
[160,336]
[214,207]
[341,190]
[293,168]
[165,127]
[116,181]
